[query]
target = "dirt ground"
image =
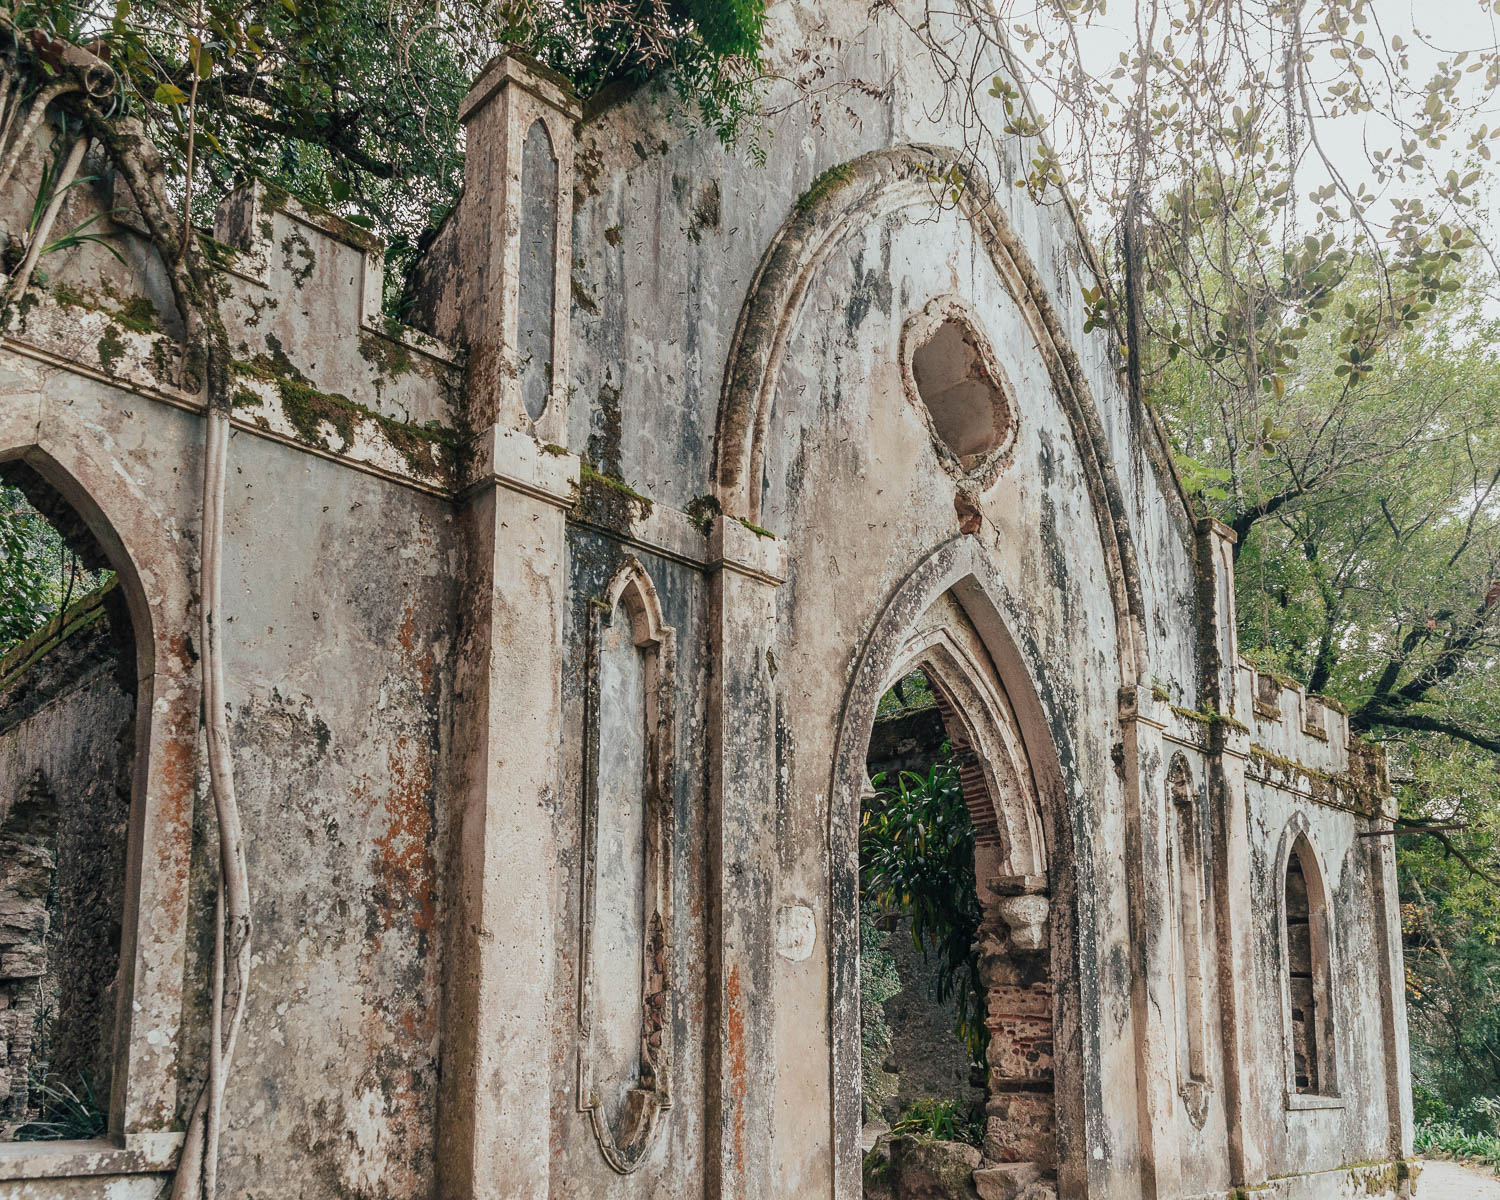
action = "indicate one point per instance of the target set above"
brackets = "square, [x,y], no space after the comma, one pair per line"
[1453,1181]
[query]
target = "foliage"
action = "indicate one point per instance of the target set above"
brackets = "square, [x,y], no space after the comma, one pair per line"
[1215,147]
[941,1121]
[67,1115]
[353,103]
[1468,1134]
[917,857]
[38,576]
[878,982]
[710,49]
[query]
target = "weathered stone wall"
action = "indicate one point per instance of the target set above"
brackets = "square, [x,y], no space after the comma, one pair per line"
[732,457]
[339,617]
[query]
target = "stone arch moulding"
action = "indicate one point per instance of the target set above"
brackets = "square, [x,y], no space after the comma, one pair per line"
[625,1038]
[1190,891]
[958,567]
[153,577]
[1297,838]
[988,744]
[864,191]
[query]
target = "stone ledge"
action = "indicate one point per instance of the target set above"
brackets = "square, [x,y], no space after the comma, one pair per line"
[142,1154]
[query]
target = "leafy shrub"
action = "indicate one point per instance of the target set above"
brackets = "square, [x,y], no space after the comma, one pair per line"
[942,1121]
[916,851]
[1428,1107]
[1447,1139]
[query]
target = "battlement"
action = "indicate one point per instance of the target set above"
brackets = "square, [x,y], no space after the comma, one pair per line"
[1287,720]
[315,360]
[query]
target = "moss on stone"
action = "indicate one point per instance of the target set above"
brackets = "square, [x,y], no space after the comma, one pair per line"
[1209,718]
[583,299]
[111,350]
[833,180]
[424,448]
[590,473]
[388,355]
[138,315]
[756,529]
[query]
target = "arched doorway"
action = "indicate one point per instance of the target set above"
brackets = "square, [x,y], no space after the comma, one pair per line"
[943,624]
[69,707]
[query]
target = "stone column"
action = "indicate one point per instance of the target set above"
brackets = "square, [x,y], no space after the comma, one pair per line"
[504,903]
[1230,866]
[510,294]
[1382,852]
[1015,969]
[505,295]
[1153,1003]
[747,567]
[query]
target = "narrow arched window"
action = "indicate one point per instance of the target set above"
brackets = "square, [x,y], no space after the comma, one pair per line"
[1191,888]
[538,273]
[1310,1066]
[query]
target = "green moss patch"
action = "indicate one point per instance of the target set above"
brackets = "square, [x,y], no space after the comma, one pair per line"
[424,448]
[835,179]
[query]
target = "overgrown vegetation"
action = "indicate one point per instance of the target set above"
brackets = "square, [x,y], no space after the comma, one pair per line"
[38,575]
[353,104]
[941,1121]
[1471,1133]
[916,853]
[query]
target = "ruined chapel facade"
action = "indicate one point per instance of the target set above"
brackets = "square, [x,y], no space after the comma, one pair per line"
[556,620]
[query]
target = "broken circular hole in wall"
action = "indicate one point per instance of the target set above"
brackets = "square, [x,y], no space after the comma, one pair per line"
[954,378]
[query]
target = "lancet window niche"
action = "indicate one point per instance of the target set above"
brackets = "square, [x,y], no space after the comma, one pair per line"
[537,283]
[1307,970]
[625,1044]
[1191,950]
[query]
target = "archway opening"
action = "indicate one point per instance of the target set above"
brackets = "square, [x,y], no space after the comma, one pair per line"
[67,767]
[956,973]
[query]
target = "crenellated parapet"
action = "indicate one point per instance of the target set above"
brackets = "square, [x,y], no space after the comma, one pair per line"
[315,362]
[1300,742]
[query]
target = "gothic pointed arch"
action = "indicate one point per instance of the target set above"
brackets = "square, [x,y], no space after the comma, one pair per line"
[995,704]
[625,1051]
[91,499]
[844,201]
[1308,1004]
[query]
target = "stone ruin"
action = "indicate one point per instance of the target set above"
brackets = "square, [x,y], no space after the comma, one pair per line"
[556,618]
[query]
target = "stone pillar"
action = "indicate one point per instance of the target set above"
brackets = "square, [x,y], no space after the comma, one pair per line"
[1230,862]
[514,289]
[1153,1003]
[747,567]
[1382,852]
[504,904]
[1015,969]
